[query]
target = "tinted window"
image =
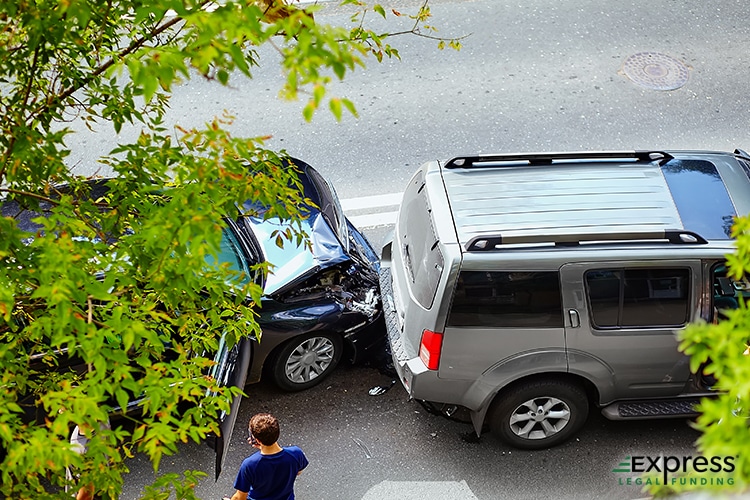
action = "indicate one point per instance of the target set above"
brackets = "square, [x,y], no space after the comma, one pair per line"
[638,298]
[507,299]
[230,253]
[701,197]
[745,166]
[330,206]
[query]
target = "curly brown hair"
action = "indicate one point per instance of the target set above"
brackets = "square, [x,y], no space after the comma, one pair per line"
[265,428]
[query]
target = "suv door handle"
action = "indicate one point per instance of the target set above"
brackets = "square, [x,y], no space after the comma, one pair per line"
[575,320]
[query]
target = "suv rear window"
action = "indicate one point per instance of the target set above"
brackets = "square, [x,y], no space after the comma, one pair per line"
[638,298]
[516,299]
[421,250]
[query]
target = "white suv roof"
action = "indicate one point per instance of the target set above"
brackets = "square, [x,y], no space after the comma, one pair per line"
[554,195]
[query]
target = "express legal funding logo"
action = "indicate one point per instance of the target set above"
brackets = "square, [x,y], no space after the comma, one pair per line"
[670,470]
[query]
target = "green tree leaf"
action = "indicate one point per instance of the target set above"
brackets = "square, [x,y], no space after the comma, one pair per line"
[121,284]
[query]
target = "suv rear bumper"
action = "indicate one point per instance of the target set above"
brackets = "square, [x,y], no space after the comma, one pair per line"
[398,351]
[419,382]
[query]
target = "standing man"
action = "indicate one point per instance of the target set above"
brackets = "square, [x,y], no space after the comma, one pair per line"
[270,474]
[80,438]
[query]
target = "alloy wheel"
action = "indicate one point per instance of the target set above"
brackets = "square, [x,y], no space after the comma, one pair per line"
[310,359]
[540,418]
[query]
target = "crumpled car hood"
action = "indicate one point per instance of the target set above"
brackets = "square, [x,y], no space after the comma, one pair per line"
[291,264]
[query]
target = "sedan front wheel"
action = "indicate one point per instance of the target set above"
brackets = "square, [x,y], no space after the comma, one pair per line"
[305,361]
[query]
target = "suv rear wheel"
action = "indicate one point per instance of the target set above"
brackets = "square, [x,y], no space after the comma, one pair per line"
[306,360]
[539,414]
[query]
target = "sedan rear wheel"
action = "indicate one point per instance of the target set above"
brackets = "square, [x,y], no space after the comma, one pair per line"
[305,361]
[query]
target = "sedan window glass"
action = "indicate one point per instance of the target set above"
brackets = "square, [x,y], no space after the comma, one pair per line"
[331,207]
[230,252]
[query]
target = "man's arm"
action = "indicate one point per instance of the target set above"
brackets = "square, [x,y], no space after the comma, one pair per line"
[238,495]
[85,493]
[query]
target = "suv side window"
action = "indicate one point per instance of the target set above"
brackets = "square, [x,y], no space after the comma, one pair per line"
[507,299]
[728,292]
[638,298]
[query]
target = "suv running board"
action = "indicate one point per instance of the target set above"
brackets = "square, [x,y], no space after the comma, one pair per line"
[648,409]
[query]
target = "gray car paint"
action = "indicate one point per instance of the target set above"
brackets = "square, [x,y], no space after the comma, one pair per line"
[448,207]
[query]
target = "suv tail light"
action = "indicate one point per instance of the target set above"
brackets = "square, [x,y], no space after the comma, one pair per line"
[429,349]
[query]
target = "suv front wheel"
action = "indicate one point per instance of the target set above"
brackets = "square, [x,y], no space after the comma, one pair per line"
[539,414]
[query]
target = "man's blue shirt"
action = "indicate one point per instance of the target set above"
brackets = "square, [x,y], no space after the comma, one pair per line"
[271,477]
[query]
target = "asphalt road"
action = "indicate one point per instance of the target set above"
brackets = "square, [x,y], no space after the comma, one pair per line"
[364,447]
[375,447]
[537,75]
[532,76]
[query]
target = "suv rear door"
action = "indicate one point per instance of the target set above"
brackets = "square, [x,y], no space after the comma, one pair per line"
[621,319]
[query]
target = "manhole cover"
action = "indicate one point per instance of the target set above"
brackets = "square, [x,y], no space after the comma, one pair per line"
[656,71]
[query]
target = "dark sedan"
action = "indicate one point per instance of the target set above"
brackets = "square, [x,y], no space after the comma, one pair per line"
[321,300]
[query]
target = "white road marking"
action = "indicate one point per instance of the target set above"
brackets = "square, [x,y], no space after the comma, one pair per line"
[378,200]
[210,7]
[418,490]
[370,211]
[373,220]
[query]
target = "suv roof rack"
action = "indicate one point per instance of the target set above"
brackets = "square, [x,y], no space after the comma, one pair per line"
[496,160]
[673,236]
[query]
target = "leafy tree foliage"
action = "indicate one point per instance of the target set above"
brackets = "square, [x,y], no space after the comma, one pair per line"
[121,279]
[722,350]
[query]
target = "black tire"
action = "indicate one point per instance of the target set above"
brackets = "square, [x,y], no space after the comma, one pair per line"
[539,414]
[306,360]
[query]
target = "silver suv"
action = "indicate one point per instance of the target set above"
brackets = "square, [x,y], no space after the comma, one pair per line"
[530,287]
